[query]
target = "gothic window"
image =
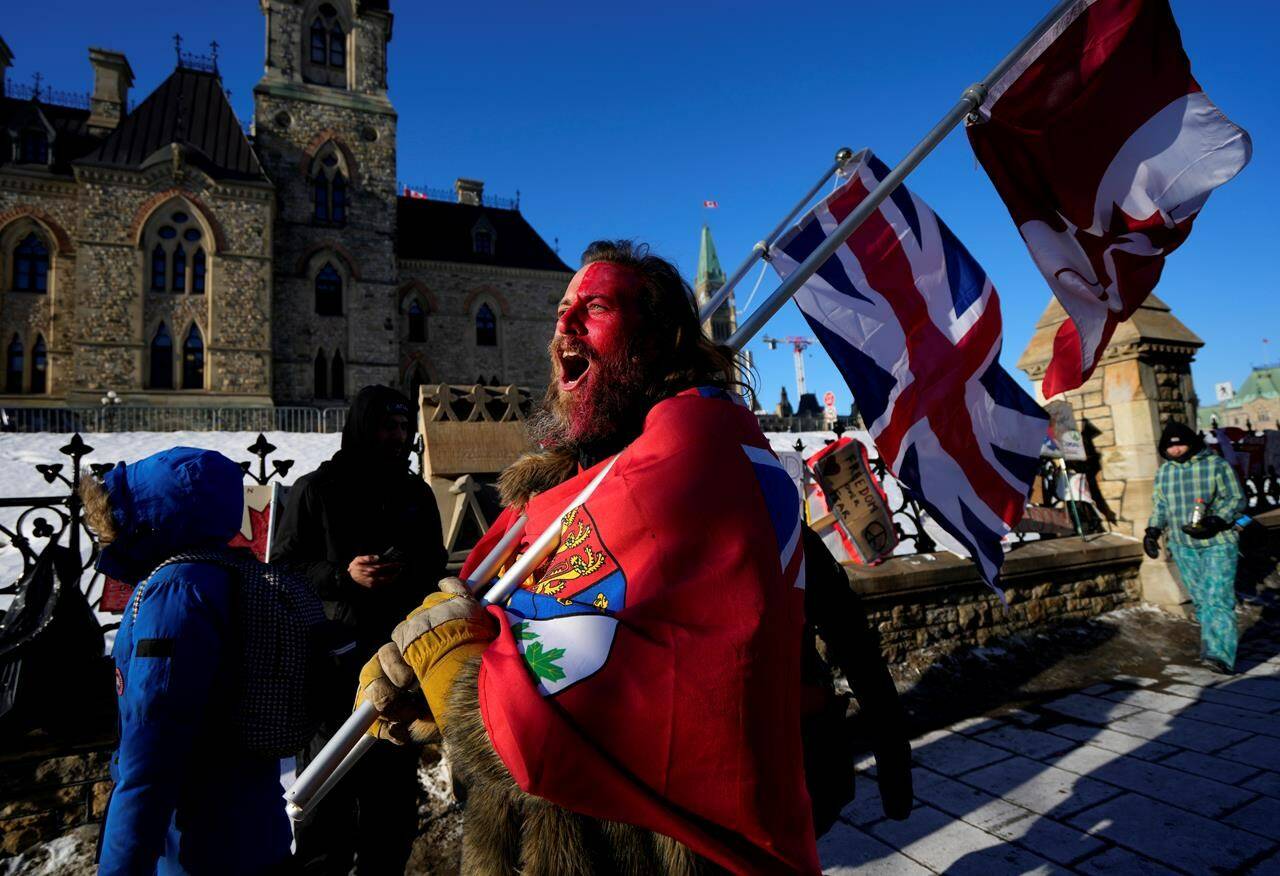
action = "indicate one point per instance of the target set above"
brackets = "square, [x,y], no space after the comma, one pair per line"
[193,360]
[197,273]
[159,268]
[483,241]
[13,366]
[417,322]
[326,48]
[178,261]
[319,42]
[33,147]
[322,375]
[486,327]
[31,264]
[338,377]
[329,186]
[328,291]
[39,366]
[179,269]
[161,359]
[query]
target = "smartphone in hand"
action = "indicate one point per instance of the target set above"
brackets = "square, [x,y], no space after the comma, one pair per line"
[393,554]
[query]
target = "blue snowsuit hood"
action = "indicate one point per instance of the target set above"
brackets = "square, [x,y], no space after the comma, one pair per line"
[176,500]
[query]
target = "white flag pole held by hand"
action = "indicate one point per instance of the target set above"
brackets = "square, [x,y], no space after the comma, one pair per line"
[352,739]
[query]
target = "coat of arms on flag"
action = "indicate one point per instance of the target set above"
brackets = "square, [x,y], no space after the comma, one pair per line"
[563,617]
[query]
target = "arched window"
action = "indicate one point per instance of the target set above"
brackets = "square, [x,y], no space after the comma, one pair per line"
[329,185]
[338,377]
[33,146]
[31,264]
[175,242]
[197,273]
[326,48]
[13,366]
[486,327]
[322,375]
[328,291]
[417,322]
[39,366]
[161,359]
[179,269]
[193,360]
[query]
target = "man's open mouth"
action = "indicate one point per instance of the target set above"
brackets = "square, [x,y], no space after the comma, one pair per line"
[573,369]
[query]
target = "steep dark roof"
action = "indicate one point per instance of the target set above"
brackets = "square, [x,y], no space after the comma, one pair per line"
[71,138]
[188,108]
[440,231]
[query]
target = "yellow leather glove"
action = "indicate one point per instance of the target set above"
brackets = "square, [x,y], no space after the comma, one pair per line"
[428,647]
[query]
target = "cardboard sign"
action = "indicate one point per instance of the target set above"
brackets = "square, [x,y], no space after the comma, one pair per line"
[854,496]
[1065,440]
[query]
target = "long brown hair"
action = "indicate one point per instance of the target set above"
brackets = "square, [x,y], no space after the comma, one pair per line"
[687,356]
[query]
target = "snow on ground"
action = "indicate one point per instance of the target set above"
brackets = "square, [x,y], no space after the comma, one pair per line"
[21,452]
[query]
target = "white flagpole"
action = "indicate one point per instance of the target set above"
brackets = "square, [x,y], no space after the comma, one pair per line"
[970,100]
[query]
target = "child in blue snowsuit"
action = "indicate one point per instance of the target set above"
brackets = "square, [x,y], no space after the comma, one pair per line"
[186,798]
[1206,550]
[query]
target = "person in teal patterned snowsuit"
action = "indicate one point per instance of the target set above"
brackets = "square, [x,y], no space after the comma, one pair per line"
[1205,551]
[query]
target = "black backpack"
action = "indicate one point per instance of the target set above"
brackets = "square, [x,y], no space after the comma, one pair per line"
[284,641]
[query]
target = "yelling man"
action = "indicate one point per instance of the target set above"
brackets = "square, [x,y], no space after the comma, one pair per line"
[635,706]
[1197,499]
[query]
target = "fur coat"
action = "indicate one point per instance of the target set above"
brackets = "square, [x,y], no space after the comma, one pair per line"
[507,831]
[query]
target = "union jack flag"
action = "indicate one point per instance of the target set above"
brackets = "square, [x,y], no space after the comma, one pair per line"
[913,323]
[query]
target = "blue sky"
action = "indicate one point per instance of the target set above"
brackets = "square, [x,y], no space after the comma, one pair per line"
[618,120]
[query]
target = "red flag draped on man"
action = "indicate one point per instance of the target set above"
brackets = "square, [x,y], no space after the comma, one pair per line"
[1104,148]
[647,671]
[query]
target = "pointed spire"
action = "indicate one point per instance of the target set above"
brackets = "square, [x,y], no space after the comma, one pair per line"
[710,274]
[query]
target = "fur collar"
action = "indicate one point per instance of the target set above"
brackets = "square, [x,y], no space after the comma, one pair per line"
[535,473]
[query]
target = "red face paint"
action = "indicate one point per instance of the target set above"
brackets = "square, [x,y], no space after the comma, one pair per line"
[597,319]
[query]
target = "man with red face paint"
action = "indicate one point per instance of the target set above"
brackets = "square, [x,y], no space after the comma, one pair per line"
[635,706]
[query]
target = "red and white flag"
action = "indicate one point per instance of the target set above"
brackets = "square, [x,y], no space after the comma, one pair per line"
[1104,148]
[711,205]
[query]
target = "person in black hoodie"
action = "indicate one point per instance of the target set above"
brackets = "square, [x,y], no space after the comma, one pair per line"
[366,533]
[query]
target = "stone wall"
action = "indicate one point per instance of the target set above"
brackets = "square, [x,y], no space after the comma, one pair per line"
[43,796]
[935,602]
[523,300]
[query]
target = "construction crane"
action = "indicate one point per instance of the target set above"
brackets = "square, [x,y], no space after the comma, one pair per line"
[798,346]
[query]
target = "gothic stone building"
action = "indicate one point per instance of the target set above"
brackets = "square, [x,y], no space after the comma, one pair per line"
[159,252]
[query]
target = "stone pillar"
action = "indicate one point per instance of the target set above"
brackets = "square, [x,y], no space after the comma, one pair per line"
[112,79]
[469,191]
[1142,380]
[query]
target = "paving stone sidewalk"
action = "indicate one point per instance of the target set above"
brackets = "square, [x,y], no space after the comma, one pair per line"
[1178,772]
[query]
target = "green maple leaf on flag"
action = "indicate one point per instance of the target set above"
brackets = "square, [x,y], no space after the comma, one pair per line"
[522,632]
[543,663]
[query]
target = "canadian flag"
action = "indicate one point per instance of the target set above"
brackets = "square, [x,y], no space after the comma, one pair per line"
[1104,148]
[711,204]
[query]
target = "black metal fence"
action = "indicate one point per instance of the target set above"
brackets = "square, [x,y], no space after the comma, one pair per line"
[146,418]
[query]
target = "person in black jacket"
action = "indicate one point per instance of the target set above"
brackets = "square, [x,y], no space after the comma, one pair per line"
[367,535]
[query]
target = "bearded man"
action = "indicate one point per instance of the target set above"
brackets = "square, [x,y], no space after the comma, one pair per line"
[635,706]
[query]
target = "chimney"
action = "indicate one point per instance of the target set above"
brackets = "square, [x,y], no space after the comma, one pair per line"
[6,61]
[112,78]
[470,191]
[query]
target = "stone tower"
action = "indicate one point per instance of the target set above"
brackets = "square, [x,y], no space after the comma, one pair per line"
[326,134]
[711,277]
[1143,380]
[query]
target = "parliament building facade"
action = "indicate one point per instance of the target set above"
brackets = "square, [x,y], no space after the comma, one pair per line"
[162,253]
